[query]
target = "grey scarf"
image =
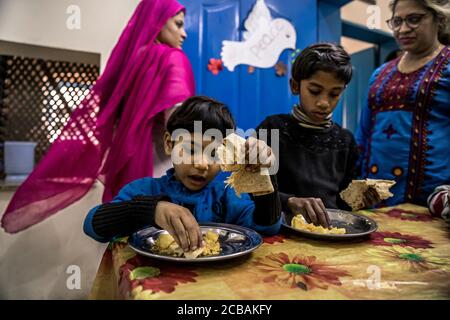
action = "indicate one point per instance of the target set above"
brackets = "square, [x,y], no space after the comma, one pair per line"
[305,121]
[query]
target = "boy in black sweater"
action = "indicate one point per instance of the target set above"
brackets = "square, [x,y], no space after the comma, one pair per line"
[317,158]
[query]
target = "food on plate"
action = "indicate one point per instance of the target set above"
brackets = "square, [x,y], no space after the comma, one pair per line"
[166,245]
[299,222]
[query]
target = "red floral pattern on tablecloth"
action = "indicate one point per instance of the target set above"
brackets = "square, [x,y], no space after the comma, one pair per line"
[303,272]
[162,277]
[408,215]
[274,239]
[396,238]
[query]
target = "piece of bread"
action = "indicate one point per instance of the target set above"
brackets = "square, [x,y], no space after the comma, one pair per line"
[232,156]
[194,254]
[232,153]
[358,192]
[257,183]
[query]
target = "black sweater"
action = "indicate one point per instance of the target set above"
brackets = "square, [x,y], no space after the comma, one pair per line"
[316,163]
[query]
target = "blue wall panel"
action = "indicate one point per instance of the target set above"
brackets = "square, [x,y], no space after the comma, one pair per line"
[252,96]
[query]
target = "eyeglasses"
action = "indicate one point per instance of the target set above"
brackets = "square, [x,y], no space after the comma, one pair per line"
[412,21]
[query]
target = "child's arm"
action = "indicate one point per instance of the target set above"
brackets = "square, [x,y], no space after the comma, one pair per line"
[264,212]
[132,209]
[137,207]
[267,210]
[350,173]
[439,202]
[261,213]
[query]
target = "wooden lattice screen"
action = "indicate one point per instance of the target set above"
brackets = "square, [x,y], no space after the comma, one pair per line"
[37,97]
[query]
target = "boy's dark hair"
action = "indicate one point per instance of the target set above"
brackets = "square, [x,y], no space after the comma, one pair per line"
[212,113]
[327,57]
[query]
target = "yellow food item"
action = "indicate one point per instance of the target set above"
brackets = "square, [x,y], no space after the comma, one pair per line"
[211,245]
[164,240]
[298,222]
[212,236]
[166,245]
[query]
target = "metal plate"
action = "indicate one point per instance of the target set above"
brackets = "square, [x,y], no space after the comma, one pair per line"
[235,241]
[356,226]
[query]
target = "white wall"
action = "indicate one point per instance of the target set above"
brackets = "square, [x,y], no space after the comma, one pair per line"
[43,22]
[33,263]
[356,11]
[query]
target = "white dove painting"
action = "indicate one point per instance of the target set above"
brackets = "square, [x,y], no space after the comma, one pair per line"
[263,41]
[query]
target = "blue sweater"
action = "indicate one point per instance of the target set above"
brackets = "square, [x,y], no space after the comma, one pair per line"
[213,203]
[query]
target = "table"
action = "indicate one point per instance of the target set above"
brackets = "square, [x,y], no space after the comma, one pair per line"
[407,258]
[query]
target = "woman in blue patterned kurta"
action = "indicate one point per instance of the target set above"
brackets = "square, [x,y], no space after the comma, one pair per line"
[404,133]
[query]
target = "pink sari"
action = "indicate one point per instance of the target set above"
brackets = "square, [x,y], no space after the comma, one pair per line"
[109,135]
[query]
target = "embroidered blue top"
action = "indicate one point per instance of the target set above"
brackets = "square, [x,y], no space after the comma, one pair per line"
[405,129]
[214,203]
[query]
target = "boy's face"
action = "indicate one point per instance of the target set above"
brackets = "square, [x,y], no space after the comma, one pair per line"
[319,94]
[199,169]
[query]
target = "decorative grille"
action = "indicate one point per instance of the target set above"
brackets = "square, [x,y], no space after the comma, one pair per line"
[37,97]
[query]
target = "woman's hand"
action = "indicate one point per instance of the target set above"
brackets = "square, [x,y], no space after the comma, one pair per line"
[312,209]
[180,223]
[257,155]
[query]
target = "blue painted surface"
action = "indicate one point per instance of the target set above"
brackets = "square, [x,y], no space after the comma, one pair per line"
[251,97]
[383,40]
[361,32]
[329,17]
[355,95]
[338,3]
[364,63]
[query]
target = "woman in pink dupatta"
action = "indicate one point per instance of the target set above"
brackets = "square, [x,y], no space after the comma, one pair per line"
[110,136]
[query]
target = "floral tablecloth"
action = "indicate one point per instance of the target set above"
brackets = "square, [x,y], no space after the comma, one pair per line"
[407,258]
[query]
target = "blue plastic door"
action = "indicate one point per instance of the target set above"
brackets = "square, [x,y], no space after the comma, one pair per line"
[251,96]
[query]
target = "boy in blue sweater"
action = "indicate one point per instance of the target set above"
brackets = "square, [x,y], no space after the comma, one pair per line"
[192,191]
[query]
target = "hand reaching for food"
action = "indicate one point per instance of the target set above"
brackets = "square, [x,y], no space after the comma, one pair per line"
[180,223]
[312,209]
